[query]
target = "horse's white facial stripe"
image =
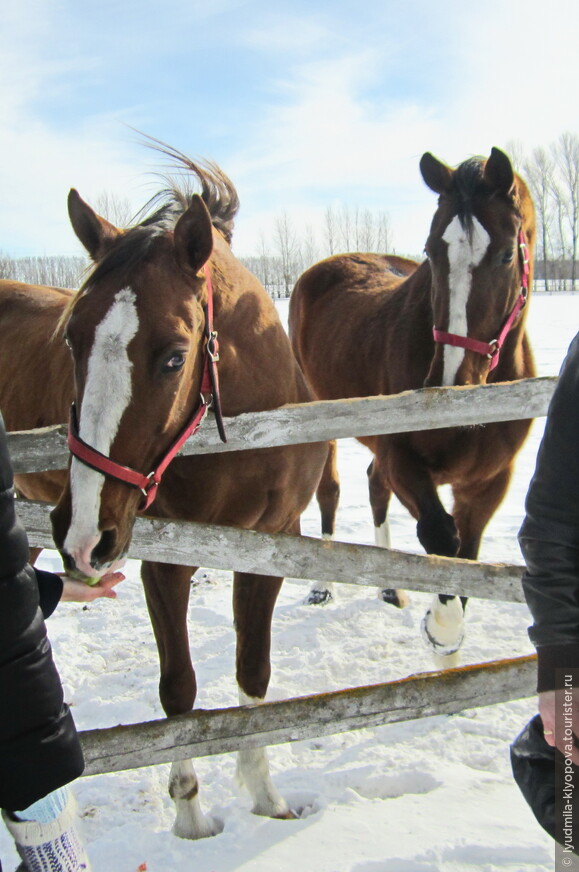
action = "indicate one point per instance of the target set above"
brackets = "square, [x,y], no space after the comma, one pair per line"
[464,255]
[107,395]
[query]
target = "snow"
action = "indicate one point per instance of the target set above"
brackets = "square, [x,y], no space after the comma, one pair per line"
[427,795]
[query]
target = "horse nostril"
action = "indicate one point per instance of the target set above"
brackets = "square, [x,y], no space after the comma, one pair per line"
[103,552]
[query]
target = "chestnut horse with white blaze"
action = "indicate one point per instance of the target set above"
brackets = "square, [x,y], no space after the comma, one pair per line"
[369,324]
[142,332]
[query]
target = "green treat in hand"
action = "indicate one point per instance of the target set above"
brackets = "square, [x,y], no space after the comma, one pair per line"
[80,576]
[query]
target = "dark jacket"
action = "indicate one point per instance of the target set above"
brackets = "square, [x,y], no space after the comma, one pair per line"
[39,747]
[549,537]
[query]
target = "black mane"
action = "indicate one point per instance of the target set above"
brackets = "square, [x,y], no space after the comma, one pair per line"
[468,180]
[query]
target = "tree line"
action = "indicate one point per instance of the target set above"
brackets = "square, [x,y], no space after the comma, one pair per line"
[552,173]
[285,255]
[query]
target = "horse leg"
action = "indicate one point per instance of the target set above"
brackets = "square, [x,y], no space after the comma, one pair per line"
[473,508]
[254,599]
[328,496]
[380,495]
[437,532]
[412,483]
[167,594]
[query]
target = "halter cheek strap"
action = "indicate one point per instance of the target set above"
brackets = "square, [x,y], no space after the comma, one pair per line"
[210,396]
[492,349]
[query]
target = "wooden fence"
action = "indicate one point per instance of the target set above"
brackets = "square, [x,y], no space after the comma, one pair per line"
[203,732]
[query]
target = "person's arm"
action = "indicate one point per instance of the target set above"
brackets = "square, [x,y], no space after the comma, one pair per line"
[39,747]
[549,537]
[549,540]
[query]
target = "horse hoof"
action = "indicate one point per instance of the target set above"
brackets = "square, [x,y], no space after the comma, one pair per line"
[203,828]
[393,597]
[441,647]
[318,598]
[288,815]
[446,661]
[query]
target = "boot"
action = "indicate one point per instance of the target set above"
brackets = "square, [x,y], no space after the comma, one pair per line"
[50,847]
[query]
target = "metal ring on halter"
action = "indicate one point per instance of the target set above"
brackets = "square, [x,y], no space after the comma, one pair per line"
[145,491]
[495,350]
[524,251]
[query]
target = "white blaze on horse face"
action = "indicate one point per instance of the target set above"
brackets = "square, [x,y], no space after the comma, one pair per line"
[107,394]
[464,255]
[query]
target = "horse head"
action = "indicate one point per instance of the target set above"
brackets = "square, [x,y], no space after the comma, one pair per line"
[136,331]
[479,249]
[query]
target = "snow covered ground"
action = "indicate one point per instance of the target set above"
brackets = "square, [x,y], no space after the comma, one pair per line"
[429,795]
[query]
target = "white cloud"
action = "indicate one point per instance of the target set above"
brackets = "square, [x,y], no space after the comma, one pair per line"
[342,129]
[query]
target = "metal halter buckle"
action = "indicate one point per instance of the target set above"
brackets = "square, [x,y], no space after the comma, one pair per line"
[495,350]
[211,346]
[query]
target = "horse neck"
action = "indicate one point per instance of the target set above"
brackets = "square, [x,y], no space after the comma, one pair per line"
[257,368]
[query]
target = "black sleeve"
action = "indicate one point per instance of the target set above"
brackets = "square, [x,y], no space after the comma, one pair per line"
[549,537]
[49,590]
[39,746]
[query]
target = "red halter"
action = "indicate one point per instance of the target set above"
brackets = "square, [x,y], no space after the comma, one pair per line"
[149,484]
[492,349]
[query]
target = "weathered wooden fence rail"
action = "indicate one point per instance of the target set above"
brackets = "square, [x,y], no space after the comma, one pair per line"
[202,733]
[212,732]
[428,409]
[300,557]
[303,557]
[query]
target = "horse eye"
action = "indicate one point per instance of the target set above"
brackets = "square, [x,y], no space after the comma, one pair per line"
[175,362]
[508,256]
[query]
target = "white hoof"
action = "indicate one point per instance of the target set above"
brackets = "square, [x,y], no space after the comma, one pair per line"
[445,661]
[442,627]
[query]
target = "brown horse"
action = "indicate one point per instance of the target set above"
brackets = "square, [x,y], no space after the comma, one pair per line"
[141,352]
[367,324]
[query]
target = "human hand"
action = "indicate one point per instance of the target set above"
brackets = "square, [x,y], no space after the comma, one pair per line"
[559,710]
[74,591]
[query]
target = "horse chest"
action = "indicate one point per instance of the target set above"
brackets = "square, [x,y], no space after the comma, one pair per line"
[462,453]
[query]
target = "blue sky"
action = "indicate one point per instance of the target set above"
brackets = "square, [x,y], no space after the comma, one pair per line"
[303,104]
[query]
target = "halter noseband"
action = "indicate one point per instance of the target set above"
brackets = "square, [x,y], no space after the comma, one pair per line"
[492,349]
[149,484]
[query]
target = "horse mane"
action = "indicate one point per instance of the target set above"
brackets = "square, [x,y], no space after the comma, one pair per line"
[161,213]
[468,181]
[217,191]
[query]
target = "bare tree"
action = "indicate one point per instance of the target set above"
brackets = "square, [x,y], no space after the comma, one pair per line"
[566,156]
[383,233]
[516,152]
[331,231]
[117,210]
[309,252]
[285,241]
[539,173]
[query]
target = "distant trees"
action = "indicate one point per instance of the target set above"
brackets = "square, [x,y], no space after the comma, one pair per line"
[281,259]
[281,256]
[552,173]
[56,271]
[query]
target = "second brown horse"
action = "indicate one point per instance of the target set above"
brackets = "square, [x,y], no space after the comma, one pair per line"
[368,324]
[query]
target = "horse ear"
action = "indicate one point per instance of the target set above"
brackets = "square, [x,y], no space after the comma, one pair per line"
[437,175]
[193,236]
[95,233]
[498,172]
